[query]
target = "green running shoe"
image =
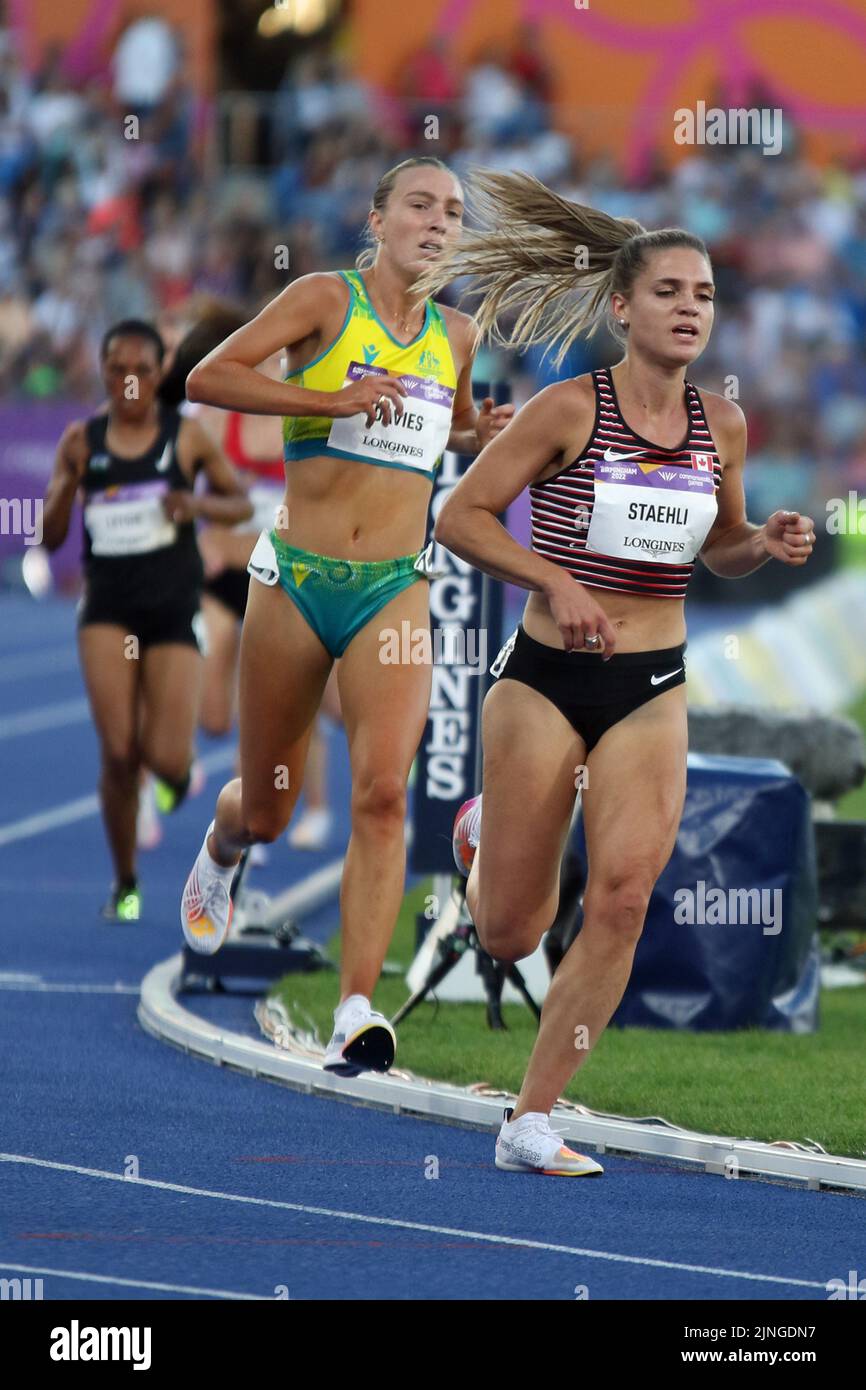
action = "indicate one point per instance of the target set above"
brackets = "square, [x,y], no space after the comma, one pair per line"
[165,797]
[124,905]
[169,797]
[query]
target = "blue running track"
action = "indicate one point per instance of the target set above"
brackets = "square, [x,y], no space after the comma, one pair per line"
[247,1189]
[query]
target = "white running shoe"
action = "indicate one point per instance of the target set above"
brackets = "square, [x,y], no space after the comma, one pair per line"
[529,1145]
[206,906]
[363,1040]
[466,834]
[312,830]
[197,779]
[148,830]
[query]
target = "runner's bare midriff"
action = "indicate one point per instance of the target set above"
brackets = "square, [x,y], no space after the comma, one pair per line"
[354,511]
[641,623]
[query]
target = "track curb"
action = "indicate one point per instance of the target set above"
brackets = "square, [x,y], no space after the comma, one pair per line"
[161,1015]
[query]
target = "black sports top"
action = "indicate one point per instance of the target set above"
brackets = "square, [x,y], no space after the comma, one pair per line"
[130,546]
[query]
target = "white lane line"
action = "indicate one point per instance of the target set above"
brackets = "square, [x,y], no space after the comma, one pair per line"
[482,1236]
[49,820]
[85,806]
[128,1283]
[24,665]
[34,721]
[45,987]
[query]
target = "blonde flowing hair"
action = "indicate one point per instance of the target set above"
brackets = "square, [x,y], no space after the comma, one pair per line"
[553,261]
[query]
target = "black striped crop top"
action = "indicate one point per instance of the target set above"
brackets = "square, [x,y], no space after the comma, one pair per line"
[627,514]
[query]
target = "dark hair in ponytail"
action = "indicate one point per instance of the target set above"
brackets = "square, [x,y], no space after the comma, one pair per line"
[218,321]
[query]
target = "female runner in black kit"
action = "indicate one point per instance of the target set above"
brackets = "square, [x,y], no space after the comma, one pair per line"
[134,466]
[632,473]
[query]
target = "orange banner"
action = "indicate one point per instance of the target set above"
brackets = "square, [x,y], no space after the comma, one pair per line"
[621,69]
[89,29]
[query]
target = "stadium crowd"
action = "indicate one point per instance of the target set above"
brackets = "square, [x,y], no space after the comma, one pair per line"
[104,218]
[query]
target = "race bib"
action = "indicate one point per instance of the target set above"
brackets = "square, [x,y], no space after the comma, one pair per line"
[129,520]
[662,515]
[416,440]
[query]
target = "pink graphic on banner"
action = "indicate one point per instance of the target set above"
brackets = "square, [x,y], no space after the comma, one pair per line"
[85,56]
[716,29]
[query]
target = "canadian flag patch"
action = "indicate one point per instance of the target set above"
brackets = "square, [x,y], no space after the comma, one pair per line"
[702,462]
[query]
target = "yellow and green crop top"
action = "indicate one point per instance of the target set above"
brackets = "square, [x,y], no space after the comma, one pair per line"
[363,345]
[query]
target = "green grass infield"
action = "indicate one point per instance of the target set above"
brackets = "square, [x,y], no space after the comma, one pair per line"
[749,1084]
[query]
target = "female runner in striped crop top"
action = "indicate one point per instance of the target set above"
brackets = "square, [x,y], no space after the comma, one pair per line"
[632,473]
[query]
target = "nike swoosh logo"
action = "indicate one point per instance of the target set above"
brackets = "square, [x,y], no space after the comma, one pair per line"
[657,680]
[611,457]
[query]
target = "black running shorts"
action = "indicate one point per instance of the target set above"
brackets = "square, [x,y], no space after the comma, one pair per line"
[178,621]
[591,693]
[230,587]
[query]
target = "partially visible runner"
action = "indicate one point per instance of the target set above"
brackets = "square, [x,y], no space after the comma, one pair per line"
[139,624]
[189,331]
[254,445]
[379,385]
[633,472]
[312,830]
[225,550]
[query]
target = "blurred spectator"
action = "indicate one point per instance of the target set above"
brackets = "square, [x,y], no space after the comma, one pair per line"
[527,63]
[54,112]
[95,226]
[145,61]
[496,102]
[17,329]
[430,75]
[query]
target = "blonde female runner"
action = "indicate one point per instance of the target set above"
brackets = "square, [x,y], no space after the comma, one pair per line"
[379,385]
